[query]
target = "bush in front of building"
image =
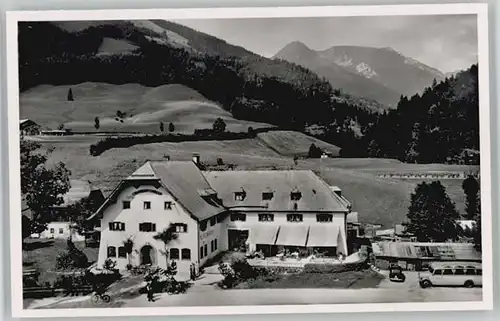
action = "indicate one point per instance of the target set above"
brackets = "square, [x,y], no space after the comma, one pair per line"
[72,258]
[239,270]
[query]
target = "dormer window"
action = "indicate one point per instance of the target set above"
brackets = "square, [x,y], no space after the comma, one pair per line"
[267,196]
[239,196]
[295,195]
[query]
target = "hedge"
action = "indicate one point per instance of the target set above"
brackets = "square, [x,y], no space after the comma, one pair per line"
[334,268]
[128,141]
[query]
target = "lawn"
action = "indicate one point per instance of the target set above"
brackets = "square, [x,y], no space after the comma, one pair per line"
[341,280]
[290,143]
[42,254]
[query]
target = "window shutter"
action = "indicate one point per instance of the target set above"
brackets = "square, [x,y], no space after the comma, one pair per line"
[154,227]
[122,226]
[111,226]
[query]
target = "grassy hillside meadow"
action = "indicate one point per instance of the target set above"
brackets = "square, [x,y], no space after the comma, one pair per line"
[290,143]
[144,108]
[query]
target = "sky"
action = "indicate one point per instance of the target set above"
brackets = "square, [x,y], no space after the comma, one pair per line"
[446,42]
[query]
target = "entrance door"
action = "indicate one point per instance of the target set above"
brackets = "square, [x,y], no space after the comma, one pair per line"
[237,239]
[147,255]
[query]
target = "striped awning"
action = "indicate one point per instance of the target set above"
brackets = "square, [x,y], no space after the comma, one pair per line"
[263,234]
[323,235]
[292,235]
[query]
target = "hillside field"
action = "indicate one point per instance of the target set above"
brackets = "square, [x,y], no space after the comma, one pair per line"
[378,200]
[290,143]
[143,107]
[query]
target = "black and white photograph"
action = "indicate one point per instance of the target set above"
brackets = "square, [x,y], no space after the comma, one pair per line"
[249,160]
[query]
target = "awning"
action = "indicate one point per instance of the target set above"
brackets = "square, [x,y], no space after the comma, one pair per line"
[292,235]
[323,235]
[263,234]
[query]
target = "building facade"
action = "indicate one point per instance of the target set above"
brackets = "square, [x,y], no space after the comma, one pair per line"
[210,212]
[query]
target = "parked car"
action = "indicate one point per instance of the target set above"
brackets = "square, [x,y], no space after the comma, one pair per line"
[396,273]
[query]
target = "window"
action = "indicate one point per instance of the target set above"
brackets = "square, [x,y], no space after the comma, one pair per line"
[186,254]
[205,249]
[267,196]
[52,231]
[470,271]
[266,217]
[167,205]
[181,228]
[447,272]
[459,270]
[213,221]
[215,245]
[239,196]
[116,226]
[126,205]
[479,272]
[238,217]
[220,218]
[147,205]
[438,272]
[111,251]
[61,231]
[295,196]
[147,227]
[201,252]
[294,217]
[174,254]
[324,218]
[211,245]
[122,252]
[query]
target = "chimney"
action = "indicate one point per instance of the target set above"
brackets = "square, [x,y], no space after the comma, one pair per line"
[196,159]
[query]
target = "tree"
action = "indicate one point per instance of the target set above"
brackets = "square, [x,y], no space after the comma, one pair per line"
[171,127]
[97,123]
[314,151]
[476,233]
[219,125]
[471,188]
[432,215]
[41,186]
[70,95]
[128,244]
[162,127]
[60,127]
[166,236]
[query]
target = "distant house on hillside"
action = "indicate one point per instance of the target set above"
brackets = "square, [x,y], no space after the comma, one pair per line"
[27,127]
[397,234]
[212,211]
[56,132]
[61,224]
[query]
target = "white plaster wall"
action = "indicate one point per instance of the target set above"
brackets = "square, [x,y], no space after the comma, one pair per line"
[137,214]
[217,231]
[66,232]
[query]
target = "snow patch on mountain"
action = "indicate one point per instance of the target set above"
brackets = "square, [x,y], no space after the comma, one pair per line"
[344,61]
[365,70]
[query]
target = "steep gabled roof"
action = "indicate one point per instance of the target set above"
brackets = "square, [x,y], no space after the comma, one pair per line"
[315,194]
[187,184]
[182,179]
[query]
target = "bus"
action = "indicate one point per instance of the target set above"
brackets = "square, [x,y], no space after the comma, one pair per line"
[452,274]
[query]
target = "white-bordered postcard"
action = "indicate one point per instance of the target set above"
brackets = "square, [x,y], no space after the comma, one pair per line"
[249,160]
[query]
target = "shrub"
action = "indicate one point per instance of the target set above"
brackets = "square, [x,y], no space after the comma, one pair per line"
[71,258]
